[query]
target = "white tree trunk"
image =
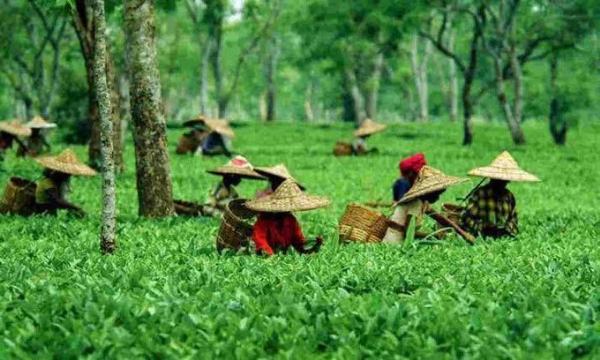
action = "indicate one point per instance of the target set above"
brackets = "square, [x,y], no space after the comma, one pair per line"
[373,86]
[453,82]
[357,98]
[107,231]
[419,70]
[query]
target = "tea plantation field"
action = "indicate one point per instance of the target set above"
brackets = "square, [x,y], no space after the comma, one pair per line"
[167,294]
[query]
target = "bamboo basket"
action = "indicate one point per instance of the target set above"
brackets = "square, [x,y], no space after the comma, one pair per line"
[452,212]
[18,197]
[363,224]
[235,230]
[183,207]
[189,142]
[342,148]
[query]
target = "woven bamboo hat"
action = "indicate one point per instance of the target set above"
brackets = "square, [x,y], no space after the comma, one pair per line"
[368,127]
[39,123]
[279,171]
[66,162]
[15,127]
[198,120]
[219,126]
[238,165]
[429,180]
[504,167]
[287,198]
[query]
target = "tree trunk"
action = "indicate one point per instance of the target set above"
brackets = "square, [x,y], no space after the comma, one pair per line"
[100,69]
[307,105]
[372,91]
[149,131]
[453,83]
[509,116]
[358,102]
[115,116]
[271,68]
[124,106]
[558,127]
[84,23]
[419,70]
[206,51]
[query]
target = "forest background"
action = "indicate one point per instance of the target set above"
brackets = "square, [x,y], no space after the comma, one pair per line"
[317,61]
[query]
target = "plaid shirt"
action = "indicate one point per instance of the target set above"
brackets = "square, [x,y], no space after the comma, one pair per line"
[491,213]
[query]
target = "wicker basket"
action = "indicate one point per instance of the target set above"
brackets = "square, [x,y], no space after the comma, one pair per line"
[18,197]
[183,207]
[342,148]
[235,230]
[452,212]
[189,142]
[360,223]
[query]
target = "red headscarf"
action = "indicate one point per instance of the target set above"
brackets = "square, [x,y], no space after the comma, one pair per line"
[412,163]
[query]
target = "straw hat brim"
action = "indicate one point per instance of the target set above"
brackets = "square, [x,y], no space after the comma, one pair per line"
[301,202]
[270,173]
[442,182]
[371,129]
[194,122]
[236,170]
[52,163]
[15,130]
[41,126]
[507,174]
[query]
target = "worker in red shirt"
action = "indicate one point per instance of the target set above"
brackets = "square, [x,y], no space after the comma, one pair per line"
[276,229]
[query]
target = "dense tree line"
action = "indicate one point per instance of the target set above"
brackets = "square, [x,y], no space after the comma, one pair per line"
[507,60]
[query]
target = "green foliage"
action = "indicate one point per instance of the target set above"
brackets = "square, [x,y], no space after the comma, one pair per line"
[167,294]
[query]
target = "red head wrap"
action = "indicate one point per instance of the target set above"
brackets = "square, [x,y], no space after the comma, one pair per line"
[412,163]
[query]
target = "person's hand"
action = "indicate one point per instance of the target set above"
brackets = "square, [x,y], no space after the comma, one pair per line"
[319,241]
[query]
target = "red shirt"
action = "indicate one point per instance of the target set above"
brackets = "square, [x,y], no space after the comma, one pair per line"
[274,232]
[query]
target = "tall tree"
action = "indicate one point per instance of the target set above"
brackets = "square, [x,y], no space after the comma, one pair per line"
[100,84]
[501,44]
[355,37]
[444,16]
[418,65]
[31,45]
[149,130]
[83,21]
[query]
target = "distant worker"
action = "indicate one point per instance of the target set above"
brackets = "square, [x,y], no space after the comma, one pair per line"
[9,133]
[358,146]
[218,140]
[231,176]
[37,144]
[426,190]
[51,191]
[190,141]
[491,209]
[276,229]
[275,175]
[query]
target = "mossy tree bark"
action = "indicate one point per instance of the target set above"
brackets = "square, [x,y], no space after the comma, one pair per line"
[149,132]
[84,23]
[100,85]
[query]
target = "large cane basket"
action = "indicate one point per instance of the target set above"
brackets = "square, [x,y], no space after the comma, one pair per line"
[363,224]
[18,197]
[235,230]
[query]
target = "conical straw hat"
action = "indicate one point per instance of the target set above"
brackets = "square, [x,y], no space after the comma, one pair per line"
[15,127]
[504,167]
[220,126]
[199,120]
[39,123]
[368,127]
[66,162]
[279,171]
[429,180]
[239,166]
[287,198]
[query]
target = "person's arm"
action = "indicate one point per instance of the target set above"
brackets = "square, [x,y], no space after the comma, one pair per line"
[399,189]
[259,235]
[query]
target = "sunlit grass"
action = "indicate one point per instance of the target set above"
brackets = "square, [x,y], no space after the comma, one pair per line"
[167,294]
